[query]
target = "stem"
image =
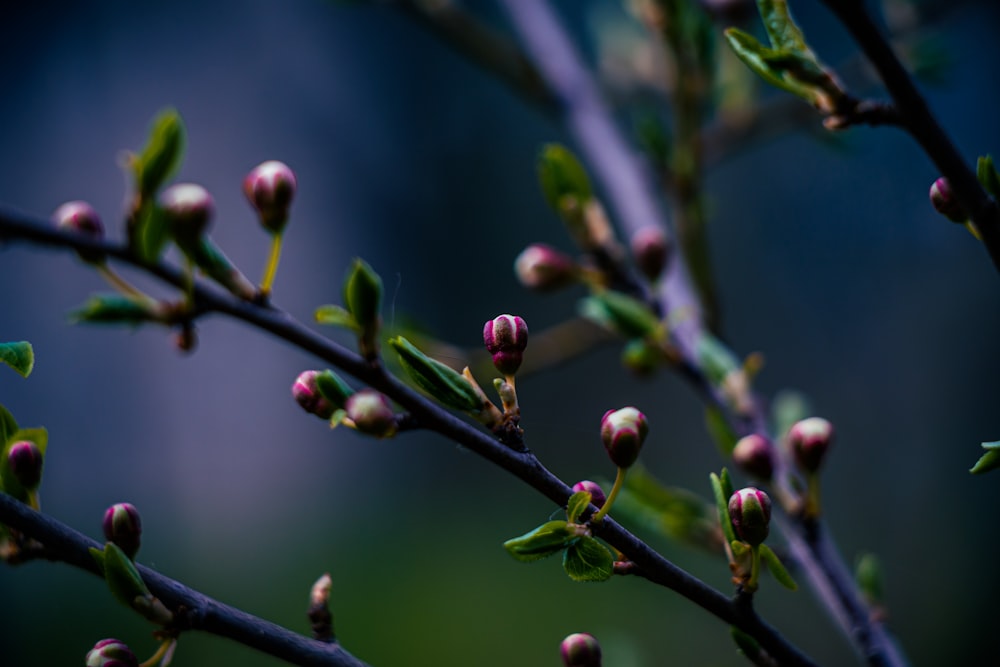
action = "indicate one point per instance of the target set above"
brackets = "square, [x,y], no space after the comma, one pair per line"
[160,652]
[751,584]
[271,269]
[121,284]
[603,512]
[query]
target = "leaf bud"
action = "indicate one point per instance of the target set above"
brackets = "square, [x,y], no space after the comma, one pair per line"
[750,512]
[123,526]
[623,432]
[580,650]
[650,248]
[270,187]
[809,439]
[111,653]
[25,461]
[543,268]
[754,454]
[371,413]
[363,297]
[505,337]
[188,209]
[597,496]
[944,202]
[80,218]
[305,391]
[641,357]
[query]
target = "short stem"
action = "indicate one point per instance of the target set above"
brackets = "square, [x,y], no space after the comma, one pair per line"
[812,508]
[160,652]
[751,584]
[271,270]
[120,283]
[619,481]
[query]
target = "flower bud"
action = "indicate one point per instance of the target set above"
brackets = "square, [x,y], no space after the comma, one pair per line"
[754,454]
[650,249]
[597,496]
[123,526]
[371,413]
[270,187]
[25,461]
[111,653]
[80,218]
[188,208]
[505,337]
[750,512]
[306,393]
[809,440]
[580,650]
[543,268]
[944,202]
[623,432]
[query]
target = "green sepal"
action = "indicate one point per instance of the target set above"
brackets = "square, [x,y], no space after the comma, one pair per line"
[8,425]
[621,313]
[776,567]
[577,504]
[746,644]
[334,388]
[670,511]
[123,578]
[115,309]
[722,489]
[546,540]
[363,294]
[868,575]
[161,157]
[988,461]
[8,482]
[20,356]
[987,175]
[213,262]
[722,433]
[562,176]
[787,408]
[440,381]
[740,549]
[151,231]
[336,316]
[588,560]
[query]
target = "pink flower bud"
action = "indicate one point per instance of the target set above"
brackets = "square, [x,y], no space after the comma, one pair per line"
[371,413]
[306,393]
[505,337]
[111,653]
[650,249]
[543,268]
[809,440]
[754,454]
[597,496]
[270,187]
[80,217]
[750,512]
[944,202]
[623,432]
[25,461]
[580,650]
[189,209]
[123,526]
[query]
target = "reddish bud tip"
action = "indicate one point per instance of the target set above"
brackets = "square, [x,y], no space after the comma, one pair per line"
[306,393]
[80,218]
[505,337]
[754,454]
[189,209]
[371,413]
[270,187]
[650,248]
[623,432]
[111,653]
[750,512]
[543,268]
[25,461]
[580,650]
[597,496]
[944,202]
[123,526]
[809,440]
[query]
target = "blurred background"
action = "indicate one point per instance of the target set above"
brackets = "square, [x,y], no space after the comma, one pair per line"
[829,260]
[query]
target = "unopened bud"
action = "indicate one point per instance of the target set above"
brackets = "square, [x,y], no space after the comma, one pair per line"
[188,208]
[306,393]
[123,526]
[809,440]
[505,337]
[944,202]
[580,650]
[111,653]
[750,512]
[80,218]
[754,454]
[270,187]
[543,268]
[650,249]
[597,496]
[25,461]
[623,432]
[371,413]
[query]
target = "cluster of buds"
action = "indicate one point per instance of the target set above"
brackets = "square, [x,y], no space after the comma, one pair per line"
[111,653]
[123,526]
[270,188]
[80,218]
[623,432]
[506,337]
[943,200]
[543,268]
[25,461]
[580,650]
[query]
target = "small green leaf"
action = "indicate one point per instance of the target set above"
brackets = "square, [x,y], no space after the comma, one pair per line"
[336,316]
[577,504]
[151,232]
[776,568]
[334,388]
[209,258]
[115,309]
[123,578]
[161,157]
[621,313]
[868,574]
[781,28]
[987,175]
[720,430]
[988,461]
[440,381]
[588,560]
[363,294]
[20,356]
[547,539]
[561,175]
[98,556]
[8,425]
[746,644]
[722,504]
[673,512]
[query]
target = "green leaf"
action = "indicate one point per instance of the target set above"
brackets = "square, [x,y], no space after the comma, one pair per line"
[115,309]
[363,294]
[719,492]
[781,28]
[987,175]
[868,575]
[720,430]
[561,175]
[334,388]
[670,511]
[98,556]
[776,568]
[440,381]
[336,316]
[8,425]
[209,258]
[746,644]
[621,313]
[20,356]
[577,504]
[547,539]
[151,232]
[161,157]
[988,461]
[588,560]
[123,578]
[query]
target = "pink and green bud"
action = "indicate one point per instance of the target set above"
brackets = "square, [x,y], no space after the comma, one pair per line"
[188,209]
[25,461]
[944,202]
[505,337]
[123,526]
[270,187]
[650,248]
[371,413]
[623,432]
[809,440]
[543,268]
[750,512]
[754,454]
[580,650]
[79,217]
[305,391]
[597,496]
[111,653]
